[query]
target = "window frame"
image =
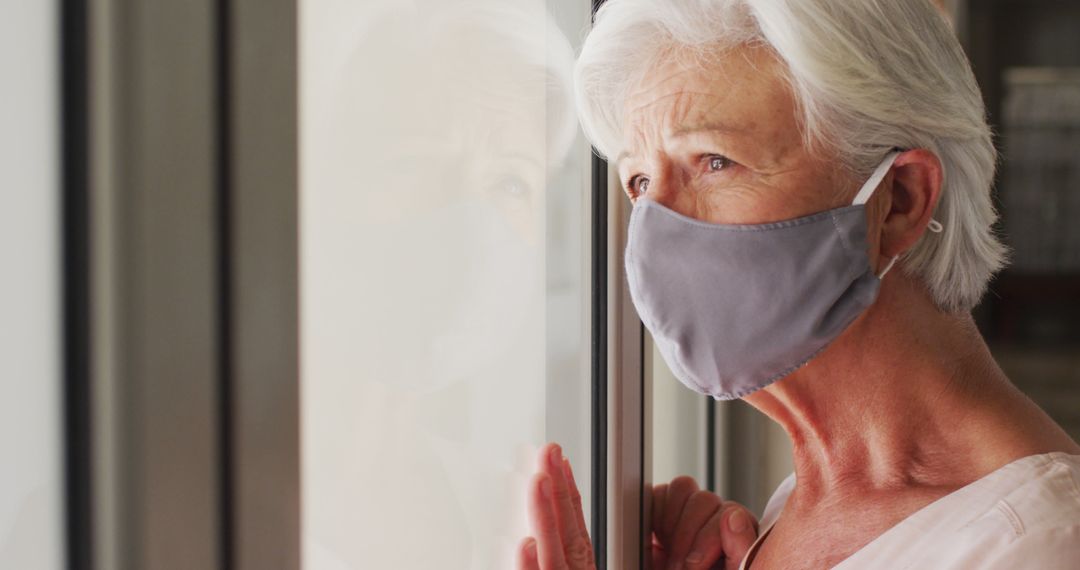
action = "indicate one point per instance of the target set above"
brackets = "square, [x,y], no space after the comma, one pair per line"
[181,192]
[180,203]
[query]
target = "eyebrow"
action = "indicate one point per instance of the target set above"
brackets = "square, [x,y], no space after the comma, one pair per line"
[711,128]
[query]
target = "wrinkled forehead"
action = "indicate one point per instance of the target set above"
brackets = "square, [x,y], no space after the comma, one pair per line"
[738,89]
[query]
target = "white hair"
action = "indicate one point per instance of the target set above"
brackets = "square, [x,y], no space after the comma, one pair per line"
[867,75]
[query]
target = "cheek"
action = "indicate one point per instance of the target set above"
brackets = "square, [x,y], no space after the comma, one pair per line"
[739,204]
[755,202]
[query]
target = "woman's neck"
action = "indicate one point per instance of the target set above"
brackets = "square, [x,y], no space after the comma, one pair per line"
[907,398]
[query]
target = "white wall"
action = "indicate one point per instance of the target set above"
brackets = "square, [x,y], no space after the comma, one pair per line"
[31,527]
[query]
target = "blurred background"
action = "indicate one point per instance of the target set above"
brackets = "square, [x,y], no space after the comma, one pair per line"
[1026,56]
[306,283]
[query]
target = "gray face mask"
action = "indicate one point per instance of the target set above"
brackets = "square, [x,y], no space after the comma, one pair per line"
[734,308]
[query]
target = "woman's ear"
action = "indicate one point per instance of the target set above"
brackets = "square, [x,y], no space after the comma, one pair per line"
[916,188]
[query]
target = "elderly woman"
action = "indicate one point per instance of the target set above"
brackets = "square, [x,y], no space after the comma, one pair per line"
[811,228]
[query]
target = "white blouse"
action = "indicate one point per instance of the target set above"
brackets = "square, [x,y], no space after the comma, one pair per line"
[1023,515]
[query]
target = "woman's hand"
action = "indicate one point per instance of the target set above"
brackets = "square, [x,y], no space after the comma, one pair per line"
[694,529]
[562,540]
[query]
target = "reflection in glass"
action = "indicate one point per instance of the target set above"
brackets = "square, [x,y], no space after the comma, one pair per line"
[442,267]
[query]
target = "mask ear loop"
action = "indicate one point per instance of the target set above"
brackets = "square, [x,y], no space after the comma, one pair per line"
[868,190]
[872,183]
[888,266]
[934,226]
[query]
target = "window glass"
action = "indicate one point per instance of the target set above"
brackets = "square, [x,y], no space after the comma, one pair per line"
[679,424]
[751,453]
[444,315]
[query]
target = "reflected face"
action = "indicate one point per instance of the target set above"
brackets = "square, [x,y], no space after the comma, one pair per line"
[432,284]
[457,115]
[441,156]
[720,142]
[455,144]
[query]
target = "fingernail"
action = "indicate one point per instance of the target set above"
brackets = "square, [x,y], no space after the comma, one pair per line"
[738,522]
[530,548]
[545,487]
[695,558]
[556,456]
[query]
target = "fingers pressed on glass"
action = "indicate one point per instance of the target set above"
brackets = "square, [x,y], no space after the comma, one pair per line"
[564,505]
[579,512]
[526,555]
[577,549]
[549,544]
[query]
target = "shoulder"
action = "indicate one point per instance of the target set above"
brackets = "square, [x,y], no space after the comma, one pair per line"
[1047,497]
[1037,521]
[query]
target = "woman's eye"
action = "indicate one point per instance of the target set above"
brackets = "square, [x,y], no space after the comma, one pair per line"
[638,186]
[717,162]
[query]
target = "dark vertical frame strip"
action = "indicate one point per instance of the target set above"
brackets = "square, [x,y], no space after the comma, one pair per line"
[644,440]
[599,352]
[149,197]
[599,361]
[74,133]
[159,119]
[710,443]
[259,91]
[222,62]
